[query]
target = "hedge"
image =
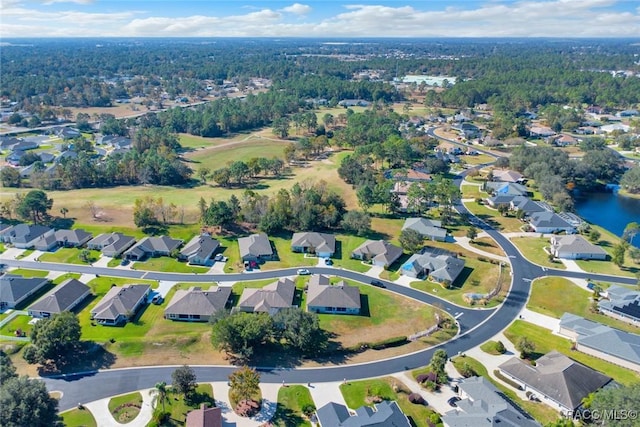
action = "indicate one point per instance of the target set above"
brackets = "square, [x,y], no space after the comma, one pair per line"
[512,383]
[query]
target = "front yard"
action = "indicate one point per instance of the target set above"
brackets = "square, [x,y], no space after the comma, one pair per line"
[293,400]
[70,256]
[505,224]
[167,264]
[533,249]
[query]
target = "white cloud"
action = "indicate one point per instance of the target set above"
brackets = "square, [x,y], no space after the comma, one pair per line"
[561,18]
[50,2]
[297,9]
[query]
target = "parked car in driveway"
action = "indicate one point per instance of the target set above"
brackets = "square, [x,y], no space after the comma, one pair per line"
[157,299]
[327,261]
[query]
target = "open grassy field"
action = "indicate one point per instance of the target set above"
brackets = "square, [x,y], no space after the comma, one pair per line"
[472,191]
[533,249]
[292,400]
[168,264]
[78,418]
[491,216]
[69,256]
[545,342]
[555,296]
[487,244]
[359,393]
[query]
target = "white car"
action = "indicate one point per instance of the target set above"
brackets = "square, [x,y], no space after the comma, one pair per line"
[303,272]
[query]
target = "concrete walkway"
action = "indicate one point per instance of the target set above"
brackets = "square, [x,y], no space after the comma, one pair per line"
[375,271]
[11,253]
[466,243]
[230,418]
[33,256]
[103,261]
[100,411]
[323,393]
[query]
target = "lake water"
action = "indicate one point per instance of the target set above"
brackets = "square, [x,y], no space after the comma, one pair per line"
[610,211]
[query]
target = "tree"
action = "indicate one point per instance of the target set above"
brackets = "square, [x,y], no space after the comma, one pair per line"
[244,384]
[617,400]
[618,253]
[159,393]
[183,380]
[301,329]
[410,240]
[26,402]
[437,364]
[35,206]
[630,231]
[281,127]
[54,340]
[10,177]
[7,370]
[239,333]
[366,197]
[356,222]
[472,233]
[630,180]
[64,211]
[84,255]
[525,347]
[203,174]
[221,176]
[144,217]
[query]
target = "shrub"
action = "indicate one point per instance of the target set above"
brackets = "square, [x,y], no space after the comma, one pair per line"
[512,383]
[430,376]
[416,399]
[431,385]
[467,371]
[500,348]
[389,342]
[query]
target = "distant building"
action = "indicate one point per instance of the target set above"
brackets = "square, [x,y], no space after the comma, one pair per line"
[152,247]
[549,222]
[381,253]
[385,414]
[575,247]
[428,228]
[111,244]
[24,236]
[199,250]
[621,303]
[437,264]
[320,244]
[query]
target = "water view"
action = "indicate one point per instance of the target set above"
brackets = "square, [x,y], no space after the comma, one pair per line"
[610,211]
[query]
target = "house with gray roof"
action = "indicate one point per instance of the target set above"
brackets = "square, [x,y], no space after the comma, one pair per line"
[16,289]
[64,297]
[505,188]
[525,205]
[339,298]
[556,380]
[507,175]
[111,244]
[622,304]
[120,304]
[46,242]
[384,414]
[483,404]
[428,228]
[320,244]
[438,265]
[602,341]
[152,247]
[72,238]
[549,222]
[24,236]
[379,252]
[196,305]
[575,246]
[269,299]
[255,247]
[199,250]
[500,199]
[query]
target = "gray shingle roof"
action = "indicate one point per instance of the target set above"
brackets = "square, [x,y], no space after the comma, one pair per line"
[119,301]
[61,298]
[320,242]
[74,237]
[338,295]
[274,296]
[557,377]
[195,301]
[378,250]
[256,245]
[112,241]
[23,233]
[575,244]
[440,264]
[13,288]
[200,247]
[548,219]
[386,414]
[148,245]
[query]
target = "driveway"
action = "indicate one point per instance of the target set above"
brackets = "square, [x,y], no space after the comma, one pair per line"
[11,253]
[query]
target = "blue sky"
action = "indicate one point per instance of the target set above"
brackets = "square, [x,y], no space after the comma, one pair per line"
[330,18]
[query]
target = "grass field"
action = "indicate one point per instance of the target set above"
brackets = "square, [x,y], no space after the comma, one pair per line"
[29,273]
[555,296]
[545,342]
[487,244]
[168,264]
[359,393]
[125,414]
[69,256]
[292,400]
[19,322]
[491,216]
[533,249]
[78,418]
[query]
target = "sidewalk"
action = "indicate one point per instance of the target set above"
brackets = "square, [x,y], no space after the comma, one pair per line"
[465,243]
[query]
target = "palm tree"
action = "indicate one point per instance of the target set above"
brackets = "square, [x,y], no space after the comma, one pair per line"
[159,393]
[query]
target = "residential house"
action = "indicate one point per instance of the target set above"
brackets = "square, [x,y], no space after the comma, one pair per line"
[68,133]
[14,157]
[204,417]
[199,250]
[467,130]
[627,113]
[72,238]
[575,247]
[8,142]
[549,222]
[24,236]
[380,252]
[437,264]
[525,205]
[346,103]
[64,297]
[412,175]
[601,341]
[46,242]
[269,299]
[622,304]
[507,175]
[24,145]
[500,199]
[152,247]
[384,414]
[615,127]
[541,131]
[505,188]
[15,289]
[483,404]
[255,248]
[111,244]
[556,380]
[320,244]
[428,228]
[340,298]
[196,305]
[120,304]
[564,140]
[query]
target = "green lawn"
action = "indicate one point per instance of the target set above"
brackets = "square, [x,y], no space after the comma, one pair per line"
[555,296]
[178,407]
[78,418]
[29,273]
[472,191]
[167,264]
[125,414]
[533,249]
[19,322]
[69,256]
[487,244]
[344,246]
[541,412]
[545,342]
[492,216]
[607,242]
[25,254]
[64,277]
[356,394]
[490,348]
[291,402]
